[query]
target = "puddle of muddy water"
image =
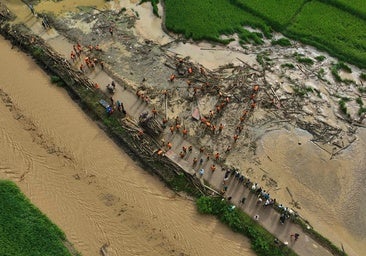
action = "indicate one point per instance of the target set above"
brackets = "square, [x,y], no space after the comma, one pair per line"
[79,178]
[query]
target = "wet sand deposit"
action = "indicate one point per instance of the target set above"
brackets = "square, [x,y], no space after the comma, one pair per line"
[296,142]
[77,176]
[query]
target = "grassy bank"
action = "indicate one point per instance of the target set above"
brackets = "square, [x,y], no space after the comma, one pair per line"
[24,230]
[334,26]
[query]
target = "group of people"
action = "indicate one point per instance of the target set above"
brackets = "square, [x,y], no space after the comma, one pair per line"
[208,122]
[142,96]
[263,197]
[117,105]
[111,87]
[88,61]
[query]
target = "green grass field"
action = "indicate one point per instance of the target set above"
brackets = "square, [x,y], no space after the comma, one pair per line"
[336,26]
[24,230]
[339,33]
[356,7]
[272,11]
[219,18]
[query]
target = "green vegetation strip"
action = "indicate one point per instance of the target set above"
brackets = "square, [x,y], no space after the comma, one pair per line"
[24,230]
[263,242]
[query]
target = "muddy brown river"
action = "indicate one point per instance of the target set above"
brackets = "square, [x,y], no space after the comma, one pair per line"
[84,183]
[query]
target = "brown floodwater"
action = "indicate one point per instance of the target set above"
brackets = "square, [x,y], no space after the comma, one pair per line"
[84,183]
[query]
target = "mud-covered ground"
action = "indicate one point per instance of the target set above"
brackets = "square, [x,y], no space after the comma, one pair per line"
[295,141]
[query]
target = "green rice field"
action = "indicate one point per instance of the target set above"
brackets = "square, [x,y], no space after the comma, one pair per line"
[272,11]
[340,33]
[24,230]
[356,7]
[186,17]
[336,26]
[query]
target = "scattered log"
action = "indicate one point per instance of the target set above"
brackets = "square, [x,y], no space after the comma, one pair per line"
[151,125]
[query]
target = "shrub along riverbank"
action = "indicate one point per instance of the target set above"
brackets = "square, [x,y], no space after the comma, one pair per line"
[25,230]
[263,242]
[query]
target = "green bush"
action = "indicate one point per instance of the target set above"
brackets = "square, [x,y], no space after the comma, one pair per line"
[363,76]
[37,52]
[302,91]
[321,73]
[57,80]
[288,65]
[344,67]
[250,37]
[320,58]
[343,107]
[361,110]
[362,89]
[340,66]
[282,42]
[306,61]
[359,101]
